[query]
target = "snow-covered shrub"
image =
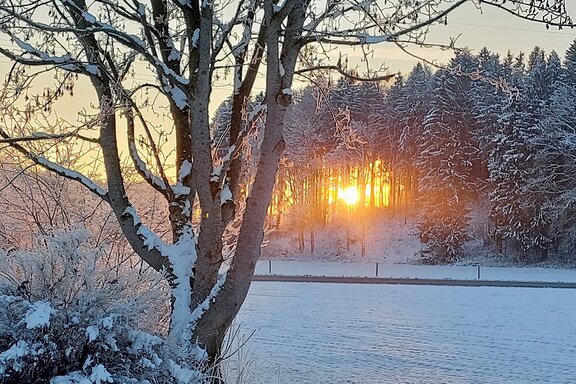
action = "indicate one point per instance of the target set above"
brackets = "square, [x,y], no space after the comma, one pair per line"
[68,315]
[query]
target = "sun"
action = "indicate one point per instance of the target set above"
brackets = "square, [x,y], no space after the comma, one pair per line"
[349,195]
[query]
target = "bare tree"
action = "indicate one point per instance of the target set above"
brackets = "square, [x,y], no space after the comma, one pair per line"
[164,57]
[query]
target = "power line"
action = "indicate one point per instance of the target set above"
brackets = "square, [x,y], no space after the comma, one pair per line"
[514,29]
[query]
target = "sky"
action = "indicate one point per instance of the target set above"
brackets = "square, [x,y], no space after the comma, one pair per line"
[488,27]
[475,29]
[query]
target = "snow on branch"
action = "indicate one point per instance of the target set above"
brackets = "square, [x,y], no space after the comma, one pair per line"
[148,237]
[368,39]
[185,170]
[130,41]
[225,29]
[226,194]
[344,73]
[343,38]
[207,3]
[239,50]
[36,136]
[179,259]
[377,27]
[64,62]
[256,111]
[156,182]
[160,184]
[219,171]
[177,95]
[42,55]
[56,168]
[182,256]
[70,174]
[184,4]
[281,11]
[195,38]
[548,12]
[205,305]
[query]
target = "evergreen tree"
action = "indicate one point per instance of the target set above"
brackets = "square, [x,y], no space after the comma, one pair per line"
[555,71]
[556,157]
[220,126]
[488,96]
[411,107]
[447,152]
[516,212]
[569,75]
[517,199]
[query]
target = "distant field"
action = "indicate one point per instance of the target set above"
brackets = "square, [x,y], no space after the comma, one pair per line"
[367,334]
[363,269]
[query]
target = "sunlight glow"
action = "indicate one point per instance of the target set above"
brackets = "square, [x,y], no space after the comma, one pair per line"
[349,195]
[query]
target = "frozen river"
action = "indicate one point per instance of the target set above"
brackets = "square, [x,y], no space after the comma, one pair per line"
[367,334]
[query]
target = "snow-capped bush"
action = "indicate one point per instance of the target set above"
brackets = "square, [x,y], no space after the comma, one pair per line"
[69,315]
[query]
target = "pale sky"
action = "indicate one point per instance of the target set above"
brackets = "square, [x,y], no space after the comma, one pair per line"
[493,28]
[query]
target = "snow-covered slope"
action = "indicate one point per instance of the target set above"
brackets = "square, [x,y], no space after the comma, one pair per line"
[387,240]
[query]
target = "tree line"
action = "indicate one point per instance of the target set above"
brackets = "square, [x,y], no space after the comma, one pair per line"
[487,135]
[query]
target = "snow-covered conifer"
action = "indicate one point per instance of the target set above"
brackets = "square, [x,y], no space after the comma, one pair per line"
[447,155]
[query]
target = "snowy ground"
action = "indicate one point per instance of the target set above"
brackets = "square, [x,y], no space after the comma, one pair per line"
[310,333]
[389,240]
[393,244]
[301,268]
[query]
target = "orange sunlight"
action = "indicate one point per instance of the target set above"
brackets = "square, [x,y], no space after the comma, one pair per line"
[349,195]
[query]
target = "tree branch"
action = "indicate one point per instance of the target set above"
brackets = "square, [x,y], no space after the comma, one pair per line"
[37,136]
[344,73]
[159,184]
[56,168]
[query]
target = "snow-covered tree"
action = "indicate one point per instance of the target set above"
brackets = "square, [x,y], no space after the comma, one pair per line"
[517,197]
[448,156]
[412,107]
[555,151]
[408,106]
[570,64]
[488,97]
[515,215]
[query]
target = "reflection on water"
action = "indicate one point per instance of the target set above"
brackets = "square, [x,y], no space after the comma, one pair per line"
[368,334]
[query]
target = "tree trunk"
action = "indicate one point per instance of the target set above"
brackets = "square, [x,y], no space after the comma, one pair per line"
[212,326]
[312,240]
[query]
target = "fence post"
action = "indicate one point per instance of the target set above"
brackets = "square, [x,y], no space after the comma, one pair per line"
[269,266]
[478,271]
[376,269]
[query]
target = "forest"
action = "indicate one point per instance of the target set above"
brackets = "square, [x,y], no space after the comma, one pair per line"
[487,135]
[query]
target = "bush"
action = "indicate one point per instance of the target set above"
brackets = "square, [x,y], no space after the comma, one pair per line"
[67,315]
